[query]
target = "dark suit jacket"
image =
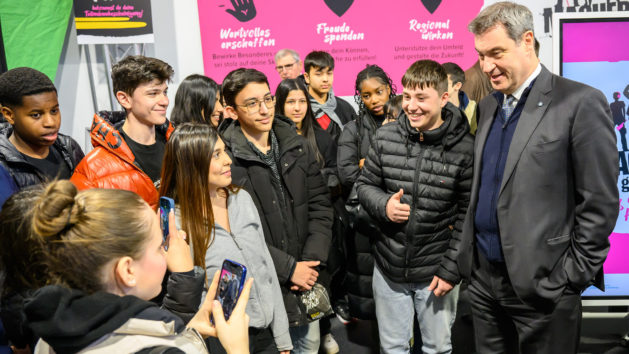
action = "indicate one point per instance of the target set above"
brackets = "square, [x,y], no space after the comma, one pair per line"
[558,201]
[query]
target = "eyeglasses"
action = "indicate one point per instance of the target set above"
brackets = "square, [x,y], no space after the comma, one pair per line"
[281,68]
[294,102]
[253,106]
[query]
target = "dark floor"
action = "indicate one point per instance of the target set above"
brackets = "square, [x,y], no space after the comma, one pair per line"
[362,338]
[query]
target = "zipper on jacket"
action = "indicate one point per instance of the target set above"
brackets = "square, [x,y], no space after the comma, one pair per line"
[257,288]
[409,228]
[236,242]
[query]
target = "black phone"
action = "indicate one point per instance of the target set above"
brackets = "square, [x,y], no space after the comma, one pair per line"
[165,206]
[232,280]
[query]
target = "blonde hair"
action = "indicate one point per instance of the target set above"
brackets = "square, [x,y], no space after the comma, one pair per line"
[21,255]
[84,231]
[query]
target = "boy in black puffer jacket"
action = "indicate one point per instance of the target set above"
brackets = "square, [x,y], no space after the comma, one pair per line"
[416,185]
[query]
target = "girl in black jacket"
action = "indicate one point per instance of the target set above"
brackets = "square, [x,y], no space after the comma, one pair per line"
[292,101]
[374,89]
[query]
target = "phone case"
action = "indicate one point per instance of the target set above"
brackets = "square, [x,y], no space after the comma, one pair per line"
[232,280]
[165,206]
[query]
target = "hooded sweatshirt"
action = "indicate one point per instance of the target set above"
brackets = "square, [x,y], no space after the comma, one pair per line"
[70,321]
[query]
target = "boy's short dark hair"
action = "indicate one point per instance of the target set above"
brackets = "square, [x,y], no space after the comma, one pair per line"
[19,82]
[456,73]
[318,60]
[134,70]
[426,73]
[237,79]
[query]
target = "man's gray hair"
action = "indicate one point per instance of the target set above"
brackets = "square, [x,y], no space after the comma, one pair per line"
[284,52]
[516,19]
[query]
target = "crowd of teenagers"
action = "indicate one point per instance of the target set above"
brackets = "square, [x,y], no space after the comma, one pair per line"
[359,215]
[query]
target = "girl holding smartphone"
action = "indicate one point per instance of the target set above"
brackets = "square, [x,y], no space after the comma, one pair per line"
[223,223]
[102,252]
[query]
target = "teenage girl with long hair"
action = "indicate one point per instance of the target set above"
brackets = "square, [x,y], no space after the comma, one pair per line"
[223,222]
[374,89]
[291,100]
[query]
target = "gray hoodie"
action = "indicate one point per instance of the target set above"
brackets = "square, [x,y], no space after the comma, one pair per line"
[246,245]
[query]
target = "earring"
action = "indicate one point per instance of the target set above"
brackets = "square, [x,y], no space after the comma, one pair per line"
[132,281]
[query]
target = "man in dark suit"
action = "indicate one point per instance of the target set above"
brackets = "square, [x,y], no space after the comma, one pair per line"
[544,198]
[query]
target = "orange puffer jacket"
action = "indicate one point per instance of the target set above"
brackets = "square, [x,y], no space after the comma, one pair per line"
[111,164]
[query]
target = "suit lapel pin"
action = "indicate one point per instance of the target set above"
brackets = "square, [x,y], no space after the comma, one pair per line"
[540,103]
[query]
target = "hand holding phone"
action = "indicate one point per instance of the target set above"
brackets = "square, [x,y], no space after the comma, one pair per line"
[233,334]
[232,279]
[165,206]
[178,255]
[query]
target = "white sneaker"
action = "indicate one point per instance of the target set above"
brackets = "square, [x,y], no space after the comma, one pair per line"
[330,345]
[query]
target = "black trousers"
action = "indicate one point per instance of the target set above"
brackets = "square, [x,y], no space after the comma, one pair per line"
[505,324]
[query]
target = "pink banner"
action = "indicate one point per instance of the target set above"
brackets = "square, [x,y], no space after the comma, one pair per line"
[616,262]
[239,33]
[601,45]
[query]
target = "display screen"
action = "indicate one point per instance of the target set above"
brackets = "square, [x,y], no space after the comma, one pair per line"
[595,51]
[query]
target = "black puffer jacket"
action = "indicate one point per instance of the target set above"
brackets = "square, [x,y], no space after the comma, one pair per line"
[308,195]
[354,144]
[23,173]
[434,168]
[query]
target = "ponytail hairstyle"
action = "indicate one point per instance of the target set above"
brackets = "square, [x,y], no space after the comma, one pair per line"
[371,72]
[195,100]
[185,178]
[21,256]
[393,108]
[83,232]
[308,123]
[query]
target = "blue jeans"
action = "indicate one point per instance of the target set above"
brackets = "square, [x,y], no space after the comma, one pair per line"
[397,303]
[306,338]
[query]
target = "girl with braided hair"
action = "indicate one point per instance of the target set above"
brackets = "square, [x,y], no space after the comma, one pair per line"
[374,89]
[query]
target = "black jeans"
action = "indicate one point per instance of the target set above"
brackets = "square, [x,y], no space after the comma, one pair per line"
[505,324]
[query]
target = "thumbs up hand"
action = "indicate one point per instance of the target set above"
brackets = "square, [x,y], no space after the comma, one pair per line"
[396,210]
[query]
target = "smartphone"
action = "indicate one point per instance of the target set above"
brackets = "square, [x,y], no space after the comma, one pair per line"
[232,279]
[165,206]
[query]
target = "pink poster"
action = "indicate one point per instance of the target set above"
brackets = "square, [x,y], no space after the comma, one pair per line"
[394,34]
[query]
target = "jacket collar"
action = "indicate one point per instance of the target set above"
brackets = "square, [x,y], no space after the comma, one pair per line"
[105,132]
[535,107]
[11,154]
[236,141]
[536,104]
[453,129]
[70,320]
